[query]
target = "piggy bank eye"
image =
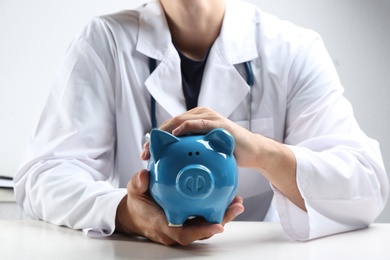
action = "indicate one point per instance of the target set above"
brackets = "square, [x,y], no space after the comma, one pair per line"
[190,154]
[197,153]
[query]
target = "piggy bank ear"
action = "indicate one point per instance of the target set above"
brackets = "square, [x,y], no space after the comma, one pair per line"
[159,139]
[221,141]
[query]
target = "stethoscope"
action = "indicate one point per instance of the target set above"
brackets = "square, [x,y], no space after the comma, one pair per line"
[249,81]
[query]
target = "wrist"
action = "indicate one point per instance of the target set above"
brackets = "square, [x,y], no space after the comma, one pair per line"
[273,157]
[263,154]
[278,164]
[122,216]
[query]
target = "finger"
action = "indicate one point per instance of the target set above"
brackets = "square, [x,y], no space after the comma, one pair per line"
[187,234]
[198,221]
[145,155]
[237,199]
[197,113]
[139,182]
[235,209]
[196,126]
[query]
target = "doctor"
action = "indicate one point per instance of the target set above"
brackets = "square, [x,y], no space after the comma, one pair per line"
[217,64]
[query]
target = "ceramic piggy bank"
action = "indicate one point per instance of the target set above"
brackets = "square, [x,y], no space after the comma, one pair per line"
[194,175]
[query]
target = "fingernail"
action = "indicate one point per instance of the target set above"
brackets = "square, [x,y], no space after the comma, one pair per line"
[218,231]
[238,211]
[137,182]
[176,131]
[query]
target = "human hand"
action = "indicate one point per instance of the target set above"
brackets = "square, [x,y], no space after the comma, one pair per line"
[139,214]
[274,160]
[203,120]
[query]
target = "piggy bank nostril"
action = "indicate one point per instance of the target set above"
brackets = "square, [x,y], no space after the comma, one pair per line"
[197,153]
[189,154]
[194,184]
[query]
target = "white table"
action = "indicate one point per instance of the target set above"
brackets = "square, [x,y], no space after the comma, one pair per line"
[8,207]
[241,240]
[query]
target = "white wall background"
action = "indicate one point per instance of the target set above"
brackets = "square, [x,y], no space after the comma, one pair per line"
[34,36]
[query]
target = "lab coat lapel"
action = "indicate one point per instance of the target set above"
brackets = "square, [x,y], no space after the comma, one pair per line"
[154,41]
[164,84]
[223,87]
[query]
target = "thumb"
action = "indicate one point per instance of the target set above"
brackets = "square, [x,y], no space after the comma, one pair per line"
[140,182]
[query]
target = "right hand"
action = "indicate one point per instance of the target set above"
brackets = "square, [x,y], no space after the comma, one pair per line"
[139,214]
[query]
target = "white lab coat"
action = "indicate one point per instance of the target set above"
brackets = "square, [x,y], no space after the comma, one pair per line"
[87,143]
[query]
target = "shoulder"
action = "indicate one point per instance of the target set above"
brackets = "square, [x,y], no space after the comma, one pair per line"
[271,32]
[109,35]
[118,25]
[281,43]
[273,28]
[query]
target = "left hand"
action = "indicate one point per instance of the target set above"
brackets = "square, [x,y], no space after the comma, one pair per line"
[274,160]
[139,214]
[201,121]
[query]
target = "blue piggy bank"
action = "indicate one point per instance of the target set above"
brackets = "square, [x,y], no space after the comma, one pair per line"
[194,175]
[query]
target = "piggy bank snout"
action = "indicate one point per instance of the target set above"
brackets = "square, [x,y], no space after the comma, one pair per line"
[194,181]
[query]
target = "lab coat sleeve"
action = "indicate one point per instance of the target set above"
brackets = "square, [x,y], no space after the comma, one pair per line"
[67,175]
[340,172]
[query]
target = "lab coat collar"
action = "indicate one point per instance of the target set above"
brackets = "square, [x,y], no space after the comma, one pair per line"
[154,38]
[220,80]
[223,87]
[154,41]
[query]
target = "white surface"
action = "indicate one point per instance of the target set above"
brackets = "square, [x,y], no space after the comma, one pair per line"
[7,195]
[241,240]
[11,211]
[35,35]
